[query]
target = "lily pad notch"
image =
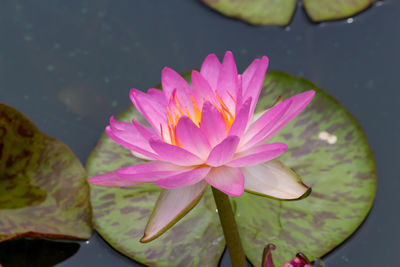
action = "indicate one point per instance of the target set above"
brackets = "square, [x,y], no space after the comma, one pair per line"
[272,12]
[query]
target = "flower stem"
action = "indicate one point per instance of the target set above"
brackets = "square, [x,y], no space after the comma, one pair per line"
[231,233]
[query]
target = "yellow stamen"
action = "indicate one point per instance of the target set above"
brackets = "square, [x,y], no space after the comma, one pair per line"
[175,111]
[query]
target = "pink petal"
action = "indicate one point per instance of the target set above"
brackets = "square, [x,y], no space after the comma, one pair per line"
[125,139]
[239,125]
[223,152]
[171,206]
[133,133]
[184,178]
[258,154]
[249,73]
[158,96]
[227,86]
[202,91]
[212,124]
[227,179]
[149,172]
[174,154]
[140,156]
[144,131]
[263,125]
[192,138]
[239,96]
[274,179]
[152,110]
[276,120]
[171,80]
[252,86]
[210,70]
[111,179]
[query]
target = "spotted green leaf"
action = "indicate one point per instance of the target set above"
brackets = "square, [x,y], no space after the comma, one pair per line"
[326,147]
[120,214]
[43,187]
[329,150]
[258,12]
[320,10]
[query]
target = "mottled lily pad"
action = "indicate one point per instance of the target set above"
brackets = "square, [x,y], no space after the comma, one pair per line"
[258,12]
[329,150]
[326,147]
[43,187]
[275,12]
[120,214]
[320,10]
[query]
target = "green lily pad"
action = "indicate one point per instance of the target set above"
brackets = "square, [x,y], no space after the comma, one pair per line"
[274,12]
[329,150]
[338,164]
[43,187]
[320,10]
[258,12]
[120,214]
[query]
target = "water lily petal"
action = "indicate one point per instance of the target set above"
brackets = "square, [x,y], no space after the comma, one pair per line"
[249,73]
[140,156]
[112,179]
[258,129]
[252,86]
[171,80]
[146,132]
[210,70]
[258,154]
[152,110]
[138,145]
[296,104]
[186,178]
[202,90]
[192,138]
[149,171]
[158,96]
[171,206]
[239,125]
[227,179]
[274,179]
[223,152]
[212,124]
[174,154]
[227,86]
[133,133]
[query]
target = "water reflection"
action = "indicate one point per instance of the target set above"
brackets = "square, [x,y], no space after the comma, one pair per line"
[35,252]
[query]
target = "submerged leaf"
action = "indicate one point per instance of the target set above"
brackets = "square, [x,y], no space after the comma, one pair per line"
[259,12]
[43,187]
[338,165]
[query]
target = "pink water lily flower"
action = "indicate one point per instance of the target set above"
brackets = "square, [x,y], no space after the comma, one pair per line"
[205,134]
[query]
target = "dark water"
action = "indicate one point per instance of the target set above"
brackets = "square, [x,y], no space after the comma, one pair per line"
[69,65]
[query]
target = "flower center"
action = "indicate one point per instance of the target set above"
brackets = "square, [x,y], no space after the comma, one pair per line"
[175,110]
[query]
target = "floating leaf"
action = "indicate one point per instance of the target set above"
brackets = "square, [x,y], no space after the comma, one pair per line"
[329,150]
[320,10]
[258,12]
[120,214]
[43,187]
[274,12]
[326,147]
